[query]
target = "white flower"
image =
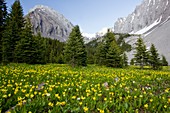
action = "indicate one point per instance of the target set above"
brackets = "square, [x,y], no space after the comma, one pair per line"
[48,94]
[78,98]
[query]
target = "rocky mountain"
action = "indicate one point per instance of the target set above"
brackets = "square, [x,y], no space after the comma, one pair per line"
[50,23]
[149,14]
[151,19]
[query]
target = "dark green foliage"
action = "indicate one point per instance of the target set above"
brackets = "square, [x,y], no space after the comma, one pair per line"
[40,49]
[52,58]
[103,48]
[141,55]
[108,39]
[7,50]
[75,52]
[113,57]
[3,16]
[100,55]
[122,44]
[26,48]
[91,51]
[154,58]
[98,48]
[124,60]
[164,61]
[108,53]
[13,31]
[132,61]
[53,50]
[16,23]
[19,44]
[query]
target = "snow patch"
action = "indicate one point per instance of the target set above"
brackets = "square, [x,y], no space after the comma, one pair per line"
[133,16]
[157,7]
[88,35]
[153,2]
[145,29]
[103,31]
[167,2]
[149,2]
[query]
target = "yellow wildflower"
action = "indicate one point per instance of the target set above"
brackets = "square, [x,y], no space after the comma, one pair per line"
[50,104]
[4,96]
[169,100]
[151,100]
[85,109]
[57,95]
[31,95]
[146,106]
[94,98]
[63,103]
[73,97]
[165,106]
[80,103]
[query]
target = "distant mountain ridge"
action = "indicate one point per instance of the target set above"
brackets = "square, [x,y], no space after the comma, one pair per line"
[150,12]
[49,23]
[151,19]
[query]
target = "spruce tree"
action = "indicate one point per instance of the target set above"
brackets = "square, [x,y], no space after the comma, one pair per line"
[6,43]
[52,57]
[100,55]
[103,48]
[132,61]
[14,27]
[40,48]
[75,52]
[164,61]
[124,60]
[26,48]
[3,16]
[154,57]
[141,55]
[113,57]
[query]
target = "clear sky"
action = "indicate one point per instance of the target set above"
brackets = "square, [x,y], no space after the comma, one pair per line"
[90,15]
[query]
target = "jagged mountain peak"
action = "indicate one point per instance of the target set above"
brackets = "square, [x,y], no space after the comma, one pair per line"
[150,19]
[145,14]
[50,23]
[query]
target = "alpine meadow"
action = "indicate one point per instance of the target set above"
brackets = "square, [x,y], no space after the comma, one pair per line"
[49,65]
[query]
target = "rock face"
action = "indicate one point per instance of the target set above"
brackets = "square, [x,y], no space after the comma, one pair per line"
[151,19]
[50,23]
[150,12]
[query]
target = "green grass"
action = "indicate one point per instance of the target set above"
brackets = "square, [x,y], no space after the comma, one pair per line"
[60,88]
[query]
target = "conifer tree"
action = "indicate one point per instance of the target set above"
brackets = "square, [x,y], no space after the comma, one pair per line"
[15,24]
[3,16]
[75,53]
[124,60]
[113,57]
[103,48]
[6,43]
[40,49]
[164,61]
[26,49]
[141,55]
[154,57]
[132,61]
[52,57]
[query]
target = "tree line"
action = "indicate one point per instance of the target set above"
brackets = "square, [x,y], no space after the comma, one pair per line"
[144,57]
[19,45]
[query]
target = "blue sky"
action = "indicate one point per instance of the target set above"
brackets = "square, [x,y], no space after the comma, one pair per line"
[90,15]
